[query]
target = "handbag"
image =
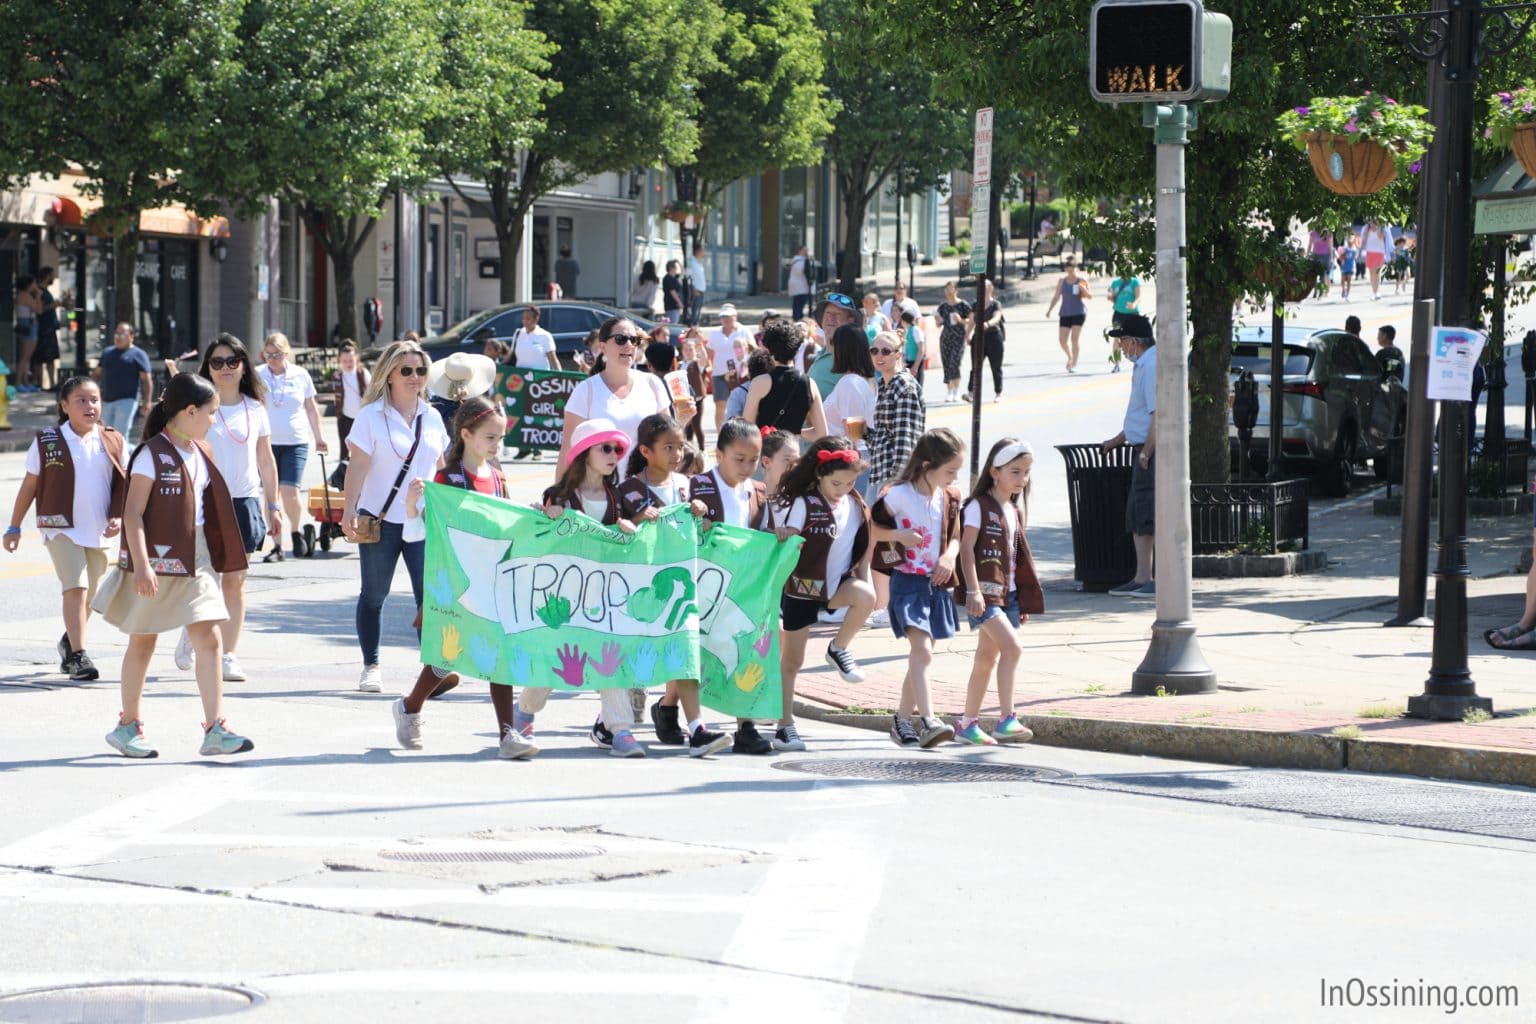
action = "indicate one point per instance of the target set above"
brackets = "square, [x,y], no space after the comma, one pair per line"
[369,526]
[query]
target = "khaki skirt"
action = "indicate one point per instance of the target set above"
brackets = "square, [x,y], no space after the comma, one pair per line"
[179,601]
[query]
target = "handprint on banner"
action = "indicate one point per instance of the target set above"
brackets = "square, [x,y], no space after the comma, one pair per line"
[440,589]
[612,659]
[750,677]
[763,643]
[573,666]
[452,646]
[483,653]
[555,612]
[676,657]
[519,666]
[643,662]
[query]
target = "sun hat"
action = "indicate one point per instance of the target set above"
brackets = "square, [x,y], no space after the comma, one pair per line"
[461,376]
[594,432]
[727,310]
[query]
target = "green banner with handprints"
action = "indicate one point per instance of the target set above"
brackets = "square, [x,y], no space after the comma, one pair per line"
[517,598]
[535,405]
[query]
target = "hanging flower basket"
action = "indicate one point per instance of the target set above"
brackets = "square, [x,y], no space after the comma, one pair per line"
[679,213]
[1288,281]
[1357,145]
[1512,124]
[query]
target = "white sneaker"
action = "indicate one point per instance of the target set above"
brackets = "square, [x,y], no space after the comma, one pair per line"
[516,747]
[407,726]
[370,681]
[183,655]
[233,673]
[878,620]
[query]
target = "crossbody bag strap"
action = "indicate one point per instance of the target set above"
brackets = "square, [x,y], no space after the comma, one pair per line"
[405,467]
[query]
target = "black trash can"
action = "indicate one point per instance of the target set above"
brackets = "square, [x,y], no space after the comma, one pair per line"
[1098,485]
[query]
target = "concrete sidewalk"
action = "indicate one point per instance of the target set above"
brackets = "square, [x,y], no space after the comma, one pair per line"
[1296,659]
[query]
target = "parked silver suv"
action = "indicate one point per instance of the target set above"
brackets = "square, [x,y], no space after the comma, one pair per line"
[1339,405]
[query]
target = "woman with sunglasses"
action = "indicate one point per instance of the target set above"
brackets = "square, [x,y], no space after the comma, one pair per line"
[396,439]
[295,420]
[616,391]
[241,442]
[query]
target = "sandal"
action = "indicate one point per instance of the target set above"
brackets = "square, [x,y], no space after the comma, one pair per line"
[1524,642]
[1499,637]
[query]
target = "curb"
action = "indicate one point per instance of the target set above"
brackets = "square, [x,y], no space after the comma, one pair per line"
[1249,747]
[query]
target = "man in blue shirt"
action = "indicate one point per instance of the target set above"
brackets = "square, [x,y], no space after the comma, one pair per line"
[123,371]
[1134,336]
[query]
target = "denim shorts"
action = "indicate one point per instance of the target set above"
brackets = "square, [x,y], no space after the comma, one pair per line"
[992,611]
[917,604]
[291,460]
[252,523]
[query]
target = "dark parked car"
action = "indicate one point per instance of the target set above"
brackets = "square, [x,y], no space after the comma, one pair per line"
[569,322]
[1339,406]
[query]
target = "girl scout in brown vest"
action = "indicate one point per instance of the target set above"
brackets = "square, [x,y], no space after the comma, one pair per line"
[75,472]
[1000,585]
[179,533]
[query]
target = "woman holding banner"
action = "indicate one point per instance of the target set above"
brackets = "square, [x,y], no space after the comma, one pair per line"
[397,438]
[616,391]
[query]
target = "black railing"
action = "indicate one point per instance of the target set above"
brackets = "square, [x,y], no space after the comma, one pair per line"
[1254,518]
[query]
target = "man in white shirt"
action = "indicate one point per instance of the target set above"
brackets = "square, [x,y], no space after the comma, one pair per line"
[696,285]
[729,346]
[532,347]
[800,282]
[898,302]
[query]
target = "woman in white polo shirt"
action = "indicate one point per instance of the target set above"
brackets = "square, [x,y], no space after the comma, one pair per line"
[295,418]
[397,438]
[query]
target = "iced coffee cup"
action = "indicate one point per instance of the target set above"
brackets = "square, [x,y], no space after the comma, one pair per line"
[855,427]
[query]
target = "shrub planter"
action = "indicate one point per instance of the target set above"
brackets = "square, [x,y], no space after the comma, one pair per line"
[1359,169]
[1252,518]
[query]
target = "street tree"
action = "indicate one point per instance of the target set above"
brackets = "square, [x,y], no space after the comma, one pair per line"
[121,91]
[329,109]
[886,116]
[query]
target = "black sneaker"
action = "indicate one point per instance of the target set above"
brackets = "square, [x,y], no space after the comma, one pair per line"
[300,548]
[749,741]
[668,730]
[600,735]
[703,742]
[902,733]
[65,650]
[846,667]
[80,668]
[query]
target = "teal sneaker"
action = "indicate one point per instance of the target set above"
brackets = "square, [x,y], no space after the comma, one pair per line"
[1011,730]
[219,740]
[128,739]
[975,734]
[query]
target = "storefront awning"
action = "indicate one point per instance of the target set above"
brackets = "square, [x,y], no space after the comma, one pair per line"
[66,212]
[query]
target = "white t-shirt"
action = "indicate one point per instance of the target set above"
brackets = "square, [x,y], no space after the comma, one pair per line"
[853,396]
[234,437]
[972,518]
[913,511]
[592,400]
[840,557]
[531,349]
[733,347]
[798,284]
[594,508]
[351,398]
[735,502]
[286,394]
[197,472]
[93,487]
[385,436]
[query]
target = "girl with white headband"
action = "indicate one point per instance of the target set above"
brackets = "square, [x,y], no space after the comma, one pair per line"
[1001,587]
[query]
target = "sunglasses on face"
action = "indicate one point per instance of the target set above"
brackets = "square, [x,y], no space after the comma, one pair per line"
[624,339]
[225,362]
[882,351]
[412,371]
[609,449]
[272,355]
[839,299]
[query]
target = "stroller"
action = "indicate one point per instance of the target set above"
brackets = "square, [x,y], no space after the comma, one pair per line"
[325,506]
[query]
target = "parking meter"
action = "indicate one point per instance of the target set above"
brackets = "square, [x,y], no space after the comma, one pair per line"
[1245,415]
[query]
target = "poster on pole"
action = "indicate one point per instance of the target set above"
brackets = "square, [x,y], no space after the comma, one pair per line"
[981,192]
[535,404]
[1453,354]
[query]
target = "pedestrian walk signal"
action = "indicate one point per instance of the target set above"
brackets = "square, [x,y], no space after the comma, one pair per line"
[1166,51]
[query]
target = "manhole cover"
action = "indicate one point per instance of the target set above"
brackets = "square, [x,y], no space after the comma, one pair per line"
[900,770]
[131,1002]
[490,856]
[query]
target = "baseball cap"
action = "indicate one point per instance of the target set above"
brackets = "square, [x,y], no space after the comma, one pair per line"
[1132,325]
[727,310]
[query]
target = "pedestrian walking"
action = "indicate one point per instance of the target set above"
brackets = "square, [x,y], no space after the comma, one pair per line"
[295,419]
[874,320]
[123,371]
[352,379]
[837,310]
[914,347]
[1001,586]
[397,436]
[1125,300]
[455,380]
[729,346]
[76,472]
[781,451]
[784,398]
[567,273]
[240,439]
[616,393]
[45,361]
[822,505]
[469,463]
[990,321]
[1349,255]
[179,507]
[696,366]
[645,292]
[1139,431]
[1375,244]
[800,282]
[698,283]
[850,409]
[28,304]
[672,293]
[917,542]
[1072,294]
[1320,249]
[954,317]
